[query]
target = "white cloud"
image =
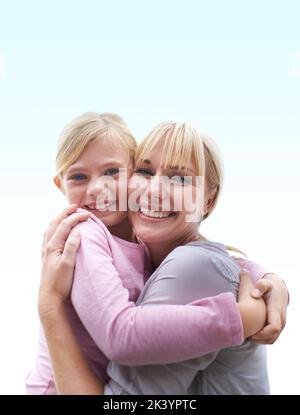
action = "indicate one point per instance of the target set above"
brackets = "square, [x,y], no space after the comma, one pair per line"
[2,65]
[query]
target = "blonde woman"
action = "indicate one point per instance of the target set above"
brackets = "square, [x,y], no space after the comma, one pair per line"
[173,231]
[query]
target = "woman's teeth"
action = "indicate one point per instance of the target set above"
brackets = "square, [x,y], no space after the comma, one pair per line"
[154,214]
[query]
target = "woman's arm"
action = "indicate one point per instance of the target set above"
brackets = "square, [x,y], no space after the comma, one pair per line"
[72,373]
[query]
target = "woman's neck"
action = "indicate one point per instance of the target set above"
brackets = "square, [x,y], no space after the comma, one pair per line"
[159,251]
[123,230]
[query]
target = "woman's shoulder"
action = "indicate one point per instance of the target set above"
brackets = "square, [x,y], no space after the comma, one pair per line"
[204,256]
[202,249]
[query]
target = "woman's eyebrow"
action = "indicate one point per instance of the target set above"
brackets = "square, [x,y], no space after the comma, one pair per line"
[181,170]
[172,168]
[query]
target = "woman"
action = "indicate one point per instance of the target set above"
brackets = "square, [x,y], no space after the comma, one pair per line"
[174,230]
[93,153]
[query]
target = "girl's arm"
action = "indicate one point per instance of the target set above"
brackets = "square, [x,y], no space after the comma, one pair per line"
[136,335]
[132,335]
[72,373]
[188,274]
[276,297]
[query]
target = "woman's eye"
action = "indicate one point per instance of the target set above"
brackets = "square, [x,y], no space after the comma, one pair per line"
[145,172]
[181,180]
[111,172]
[78,177]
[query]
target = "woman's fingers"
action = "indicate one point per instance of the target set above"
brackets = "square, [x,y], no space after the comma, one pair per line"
[63,230]
[276,312]
[72,244]
[270,333]
[261,287]
[55,223]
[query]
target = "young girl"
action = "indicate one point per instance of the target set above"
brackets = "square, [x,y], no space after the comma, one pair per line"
[127,334]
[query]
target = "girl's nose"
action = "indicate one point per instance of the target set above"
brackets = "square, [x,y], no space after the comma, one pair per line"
[93,188]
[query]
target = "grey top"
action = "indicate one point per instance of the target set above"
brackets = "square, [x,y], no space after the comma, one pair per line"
[190,272]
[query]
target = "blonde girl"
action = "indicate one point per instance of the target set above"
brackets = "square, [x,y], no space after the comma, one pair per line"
[105,300]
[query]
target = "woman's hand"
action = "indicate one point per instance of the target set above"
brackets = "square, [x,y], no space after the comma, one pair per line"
[59,252]
[253,311]
[276,297]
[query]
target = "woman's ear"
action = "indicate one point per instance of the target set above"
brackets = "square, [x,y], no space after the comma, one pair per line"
[58,183]
[210,202]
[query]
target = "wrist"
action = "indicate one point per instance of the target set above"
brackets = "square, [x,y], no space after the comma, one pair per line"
[253,316]
[50,306]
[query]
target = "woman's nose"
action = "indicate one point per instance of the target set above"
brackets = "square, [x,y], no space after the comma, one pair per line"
[158,192]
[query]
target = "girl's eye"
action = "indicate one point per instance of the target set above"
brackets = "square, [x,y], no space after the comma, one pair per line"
[182,180]
[78,177]
[145,172]
[111,172]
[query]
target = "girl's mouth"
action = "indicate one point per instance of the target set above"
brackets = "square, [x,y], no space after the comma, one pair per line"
[95,208]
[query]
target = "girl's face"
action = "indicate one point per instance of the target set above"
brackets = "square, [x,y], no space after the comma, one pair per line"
[95,180]
[165,212]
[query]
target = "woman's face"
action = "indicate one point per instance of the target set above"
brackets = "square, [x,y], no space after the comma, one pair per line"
[167,208]
[96,180]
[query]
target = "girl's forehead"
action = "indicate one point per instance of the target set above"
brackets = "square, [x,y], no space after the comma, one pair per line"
[93,158]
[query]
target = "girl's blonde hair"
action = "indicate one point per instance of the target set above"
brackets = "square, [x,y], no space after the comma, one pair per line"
[183,143]
[79,132]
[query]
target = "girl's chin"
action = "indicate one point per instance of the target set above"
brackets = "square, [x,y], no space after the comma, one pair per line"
[109,217]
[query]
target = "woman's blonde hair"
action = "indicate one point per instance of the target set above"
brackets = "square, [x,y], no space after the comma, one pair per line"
[79,132]
[182,143]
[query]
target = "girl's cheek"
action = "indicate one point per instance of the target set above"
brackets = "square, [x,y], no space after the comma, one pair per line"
[74,195]
[122,183]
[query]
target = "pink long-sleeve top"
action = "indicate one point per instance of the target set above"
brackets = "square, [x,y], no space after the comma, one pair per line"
[108,279]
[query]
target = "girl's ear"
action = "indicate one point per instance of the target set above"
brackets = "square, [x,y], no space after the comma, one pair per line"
[58,183]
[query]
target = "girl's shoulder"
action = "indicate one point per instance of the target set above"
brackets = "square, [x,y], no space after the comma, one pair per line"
[93,228]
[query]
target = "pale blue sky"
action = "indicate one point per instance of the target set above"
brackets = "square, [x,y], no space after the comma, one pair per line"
[224,65]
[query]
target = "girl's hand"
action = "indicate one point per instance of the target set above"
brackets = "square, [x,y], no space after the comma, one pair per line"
[276,297]
[59,253]
[253,311]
